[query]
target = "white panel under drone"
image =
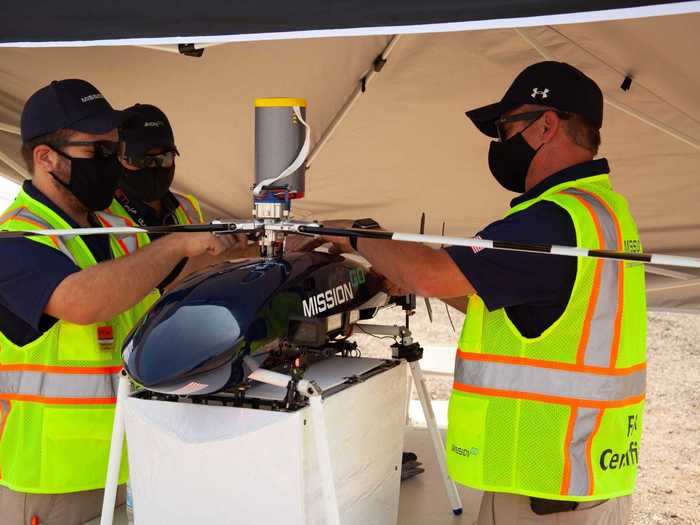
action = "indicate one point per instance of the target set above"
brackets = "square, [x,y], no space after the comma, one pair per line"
[227,465]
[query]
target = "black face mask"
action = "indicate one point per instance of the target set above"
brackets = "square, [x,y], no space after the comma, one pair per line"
[509,161]
[92,181]
[148,184]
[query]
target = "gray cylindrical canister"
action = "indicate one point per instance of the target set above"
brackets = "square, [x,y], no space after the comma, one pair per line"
[279,136]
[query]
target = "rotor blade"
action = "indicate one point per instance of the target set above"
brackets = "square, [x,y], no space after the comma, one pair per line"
[428,306]
[447,308]
[546,249]
[222,227]
[449,316]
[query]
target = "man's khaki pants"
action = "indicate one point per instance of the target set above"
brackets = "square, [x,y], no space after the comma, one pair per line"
[512,509]
[73,508]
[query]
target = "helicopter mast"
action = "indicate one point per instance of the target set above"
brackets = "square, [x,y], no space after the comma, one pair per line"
[282,143]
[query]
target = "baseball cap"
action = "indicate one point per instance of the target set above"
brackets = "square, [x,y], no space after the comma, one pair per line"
[146,127]
[67,104]
[555,84]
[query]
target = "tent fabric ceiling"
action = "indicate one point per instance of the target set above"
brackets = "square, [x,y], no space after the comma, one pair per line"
[406,147]
[83,20]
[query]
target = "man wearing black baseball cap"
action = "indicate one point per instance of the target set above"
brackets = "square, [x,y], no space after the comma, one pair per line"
[143,197]
[545,413]
[66,305]
[147,155]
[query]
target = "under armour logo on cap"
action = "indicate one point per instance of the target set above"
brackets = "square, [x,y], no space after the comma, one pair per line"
[543,93]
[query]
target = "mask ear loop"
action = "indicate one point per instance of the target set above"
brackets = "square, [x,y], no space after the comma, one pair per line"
[523,130]
[55,177]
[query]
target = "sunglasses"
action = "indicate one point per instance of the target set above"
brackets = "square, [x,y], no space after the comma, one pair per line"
[102,148]
[162,160]
[531,116]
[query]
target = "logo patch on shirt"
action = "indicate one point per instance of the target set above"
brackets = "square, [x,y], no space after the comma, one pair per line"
[105,338]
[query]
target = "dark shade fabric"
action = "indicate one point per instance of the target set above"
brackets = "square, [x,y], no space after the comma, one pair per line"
[80,20]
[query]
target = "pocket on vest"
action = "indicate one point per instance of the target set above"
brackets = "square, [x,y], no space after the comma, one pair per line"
[75,447]
[78,343]
[465,437]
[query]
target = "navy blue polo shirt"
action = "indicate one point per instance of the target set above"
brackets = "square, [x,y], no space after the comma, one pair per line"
[31,271]
[533,288]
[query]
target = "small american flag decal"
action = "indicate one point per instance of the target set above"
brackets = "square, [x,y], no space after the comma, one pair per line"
[477,249]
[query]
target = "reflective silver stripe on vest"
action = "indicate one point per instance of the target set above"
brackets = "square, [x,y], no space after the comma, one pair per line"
[46,384]
[579,482]
[575,385]
[188,208]
[129,240]
[23,212]
[602,329]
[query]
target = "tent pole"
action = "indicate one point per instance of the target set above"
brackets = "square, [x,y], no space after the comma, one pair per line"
[673,274]
[14,165]
[14,130]
[8,128]
[674,286]
[354,97]
[617,105]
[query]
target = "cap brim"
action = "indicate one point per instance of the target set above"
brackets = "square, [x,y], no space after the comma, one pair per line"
[484,118]
[99,123]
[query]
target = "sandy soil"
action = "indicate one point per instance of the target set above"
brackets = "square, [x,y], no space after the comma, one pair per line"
[668,487]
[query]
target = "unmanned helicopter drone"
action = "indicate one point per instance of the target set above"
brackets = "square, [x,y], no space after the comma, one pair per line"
[282,310]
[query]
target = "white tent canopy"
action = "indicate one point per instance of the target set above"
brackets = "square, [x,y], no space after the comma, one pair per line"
[406,146]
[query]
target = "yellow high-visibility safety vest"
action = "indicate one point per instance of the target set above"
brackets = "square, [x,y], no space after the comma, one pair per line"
[188,212]
[57,393]
[558,416]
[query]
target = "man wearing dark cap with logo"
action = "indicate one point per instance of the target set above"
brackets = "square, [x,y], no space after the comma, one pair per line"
[546,409]
[66,304]
[147,154]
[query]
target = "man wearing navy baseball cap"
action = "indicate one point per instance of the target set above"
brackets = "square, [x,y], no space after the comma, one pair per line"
[66,305]
[548,394]
[147,153]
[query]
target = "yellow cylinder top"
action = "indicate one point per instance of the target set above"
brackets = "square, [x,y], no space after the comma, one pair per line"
[279,102]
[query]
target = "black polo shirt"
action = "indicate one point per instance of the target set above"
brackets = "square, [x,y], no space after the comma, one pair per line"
[29,274]
[533,288]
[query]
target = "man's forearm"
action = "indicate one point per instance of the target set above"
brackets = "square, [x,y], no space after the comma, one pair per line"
[458,303]
[195,264]
[100,292]
[416,268]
